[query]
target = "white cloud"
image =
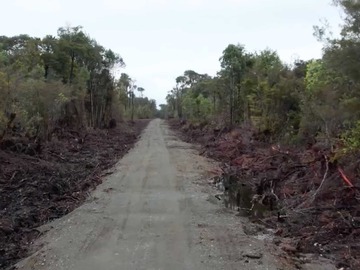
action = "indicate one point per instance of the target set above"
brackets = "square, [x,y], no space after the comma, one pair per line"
[39,5]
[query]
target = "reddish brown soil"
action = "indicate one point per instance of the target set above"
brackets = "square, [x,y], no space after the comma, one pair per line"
[42,182]
[314,218]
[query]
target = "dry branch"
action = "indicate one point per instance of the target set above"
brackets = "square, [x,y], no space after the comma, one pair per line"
[324,178]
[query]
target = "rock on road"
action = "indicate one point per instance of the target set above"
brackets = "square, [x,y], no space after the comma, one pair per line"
[153,212]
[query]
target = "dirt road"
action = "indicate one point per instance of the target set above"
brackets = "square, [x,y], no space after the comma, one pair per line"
[153,212]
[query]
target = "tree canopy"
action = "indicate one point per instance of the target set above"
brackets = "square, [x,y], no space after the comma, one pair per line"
[307,101]
[63,81]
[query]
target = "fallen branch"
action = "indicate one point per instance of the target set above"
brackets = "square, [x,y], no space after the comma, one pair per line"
[344,177]
[107,173]
[12,177]
[323,180]
[220,133]
[272,191]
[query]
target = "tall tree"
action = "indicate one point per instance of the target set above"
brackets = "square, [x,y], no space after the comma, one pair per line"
[233,64]
[141,90]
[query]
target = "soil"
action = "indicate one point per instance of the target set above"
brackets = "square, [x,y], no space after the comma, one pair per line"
[309,201]
[40,182]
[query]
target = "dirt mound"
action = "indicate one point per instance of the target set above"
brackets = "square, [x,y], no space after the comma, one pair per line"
[41,182]
[311,202]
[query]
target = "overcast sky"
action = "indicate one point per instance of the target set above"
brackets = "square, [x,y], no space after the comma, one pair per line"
[160,39]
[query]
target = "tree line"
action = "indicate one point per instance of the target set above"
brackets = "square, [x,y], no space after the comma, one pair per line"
[64,81]
[307,101]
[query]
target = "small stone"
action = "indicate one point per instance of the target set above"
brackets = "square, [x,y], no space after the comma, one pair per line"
[253,255]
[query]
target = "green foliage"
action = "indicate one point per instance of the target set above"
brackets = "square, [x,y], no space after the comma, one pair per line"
[351,139]
[65,80]
[309,101]
[163,112]
[196,106]
[233,59]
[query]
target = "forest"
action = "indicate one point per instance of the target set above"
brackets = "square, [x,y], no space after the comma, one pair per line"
[64,81]
[300,103]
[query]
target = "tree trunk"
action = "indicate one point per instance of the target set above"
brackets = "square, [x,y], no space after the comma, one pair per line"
[46,71]
[126,101]
[129,99]
[179,107]
[92,104]
[232,84]
[214,103]
[132,107]
[101,117]
[72,67]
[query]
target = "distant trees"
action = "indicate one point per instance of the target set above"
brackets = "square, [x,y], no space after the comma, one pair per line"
[134,107]
[255,88]
[163,111]
[141,91]
[62,81]
[303,102]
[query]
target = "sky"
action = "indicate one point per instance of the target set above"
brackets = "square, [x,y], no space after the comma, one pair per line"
[160,39]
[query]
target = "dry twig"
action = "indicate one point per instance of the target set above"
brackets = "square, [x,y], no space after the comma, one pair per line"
[323,180]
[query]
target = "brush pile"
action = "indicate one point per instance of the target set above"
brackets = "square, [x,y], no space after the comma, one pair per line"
[317,201]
